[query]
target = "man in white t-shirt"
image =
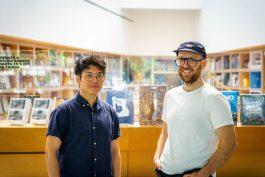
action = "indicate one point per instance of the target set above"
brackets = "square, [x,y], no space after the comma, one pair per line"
[198,135]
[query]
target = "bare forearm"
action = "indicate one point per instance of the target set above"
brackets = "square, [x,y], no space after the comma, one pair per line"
[160,146]
[52,164]
[116,162]
[219,159]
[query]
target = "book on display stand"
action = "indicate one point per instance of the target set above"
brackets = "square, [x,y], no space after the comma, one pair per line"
[42,108]
[122,102]
[19,110]
[232,97]
[252,109]
[151,99]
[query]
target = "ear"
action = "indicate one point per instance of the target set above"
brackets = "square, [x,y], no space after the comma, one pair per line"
[204,63]
[78,79]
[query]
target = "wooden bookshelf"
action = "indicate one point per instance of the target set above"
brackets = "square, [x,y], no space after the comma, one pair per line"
[240,69]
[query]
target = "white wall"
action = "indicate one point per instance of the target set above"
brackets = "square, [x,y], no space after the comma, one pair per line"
[158,32]
[231,24]
[220,25]
[161,4]
[69,22]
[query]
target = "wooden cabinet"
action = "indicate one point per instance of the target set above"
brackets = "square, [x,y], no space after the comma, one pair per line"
[22,151]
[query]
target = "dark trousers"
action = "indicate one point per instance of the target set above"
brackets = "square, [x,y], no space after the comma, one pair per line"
[160,173]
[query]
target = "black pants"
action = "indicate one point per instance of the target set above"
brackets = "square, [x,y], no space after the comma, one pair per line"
[160,173]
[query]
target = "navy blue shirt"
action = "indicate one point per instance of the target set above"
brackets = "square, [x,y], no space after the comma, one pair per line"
[86,134]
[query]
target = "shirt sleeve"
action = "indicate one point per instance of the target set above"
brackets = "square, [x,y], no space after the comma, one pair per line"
[116,125]
[57,124]
[164,114]
[220,112]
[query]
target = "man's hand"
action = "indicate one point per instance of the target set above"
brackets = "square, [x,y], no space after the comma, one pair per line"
[157,163]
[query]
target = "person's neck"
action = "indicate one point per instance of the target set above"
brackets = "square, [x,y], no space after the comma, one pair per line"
[91,98]
[193,86]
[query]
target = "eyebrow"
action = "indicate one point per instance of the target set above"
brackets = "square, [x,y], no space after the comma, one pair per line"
[93,73]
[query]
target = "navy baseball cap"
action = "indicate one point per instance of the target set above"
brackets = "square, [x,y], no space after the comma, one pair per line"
[192,46]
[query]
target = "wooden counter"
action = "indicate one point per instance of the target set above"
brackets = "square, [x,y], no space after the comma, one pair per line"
[22,151]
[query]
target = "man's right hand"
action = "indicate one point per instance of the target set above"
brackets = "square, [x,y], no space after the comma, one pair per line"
[157,163]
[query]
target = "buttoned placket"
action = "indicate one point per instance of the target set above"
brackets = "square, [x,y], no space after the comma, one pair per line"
[94,142]
[93,137]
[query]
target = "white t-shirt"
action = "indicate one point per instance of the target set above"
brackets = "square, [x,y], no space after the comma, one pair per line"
[192,118]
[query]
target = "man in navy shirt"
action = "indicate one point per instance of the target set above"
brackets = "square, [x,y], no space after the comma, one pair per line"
[82,137]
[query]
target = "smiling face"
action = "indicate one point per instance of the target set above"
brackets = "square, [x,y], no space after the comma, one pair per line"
[91,80]
[190,74]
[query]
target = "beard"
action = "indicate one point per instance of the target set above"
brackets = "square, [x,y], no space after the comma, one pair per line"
[190,79]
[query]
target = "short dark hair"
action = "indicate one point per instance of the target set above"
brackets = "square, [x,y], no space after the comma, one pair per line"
[83,63]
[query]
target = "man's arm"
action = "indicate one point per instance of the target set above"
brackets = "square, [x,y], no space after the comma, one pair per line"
[52,146]
[116,158]
[226,146]
[160,146]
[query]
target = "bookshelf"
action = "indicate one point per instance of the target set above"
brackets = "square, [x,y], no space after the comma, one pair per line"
[47,70]
[165,71]
[240,69]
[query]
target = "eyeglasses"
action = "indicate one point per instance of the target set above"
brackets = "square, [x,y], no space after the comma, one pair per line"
[99,77]
[190,61]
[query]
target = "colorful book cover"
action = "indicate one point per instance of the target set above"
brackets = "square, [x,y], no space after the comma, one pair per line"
[151,100]
[252,109]
[255,80]
[232,97]
[122,102]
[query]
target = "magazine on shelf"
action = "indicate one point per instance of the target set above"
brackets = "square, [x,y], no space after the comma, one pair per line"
[42,108]
[235,61]
[255,60]
[122,102]
[252,109]
[151,100]
[19,110]
[255,80]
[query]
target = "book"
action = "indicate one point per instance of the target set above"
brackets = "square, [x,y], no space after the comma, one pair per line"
[234,80]
[122,102]
[151,100]
[55,79]
[19,110]
[234,61]
[255,79]
[218,65]
[5,101]
[5,81]
[226,62]
[252,109]
[255,60]
[42,108]
[232,97]
[227,79]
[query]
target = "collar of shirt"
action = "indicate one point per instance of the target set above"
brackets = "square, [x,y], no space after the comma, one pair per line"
[83,102]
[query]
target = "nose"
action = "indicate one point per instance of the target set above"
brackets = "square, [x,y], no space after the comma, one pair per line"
[186,65]
[94,79]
